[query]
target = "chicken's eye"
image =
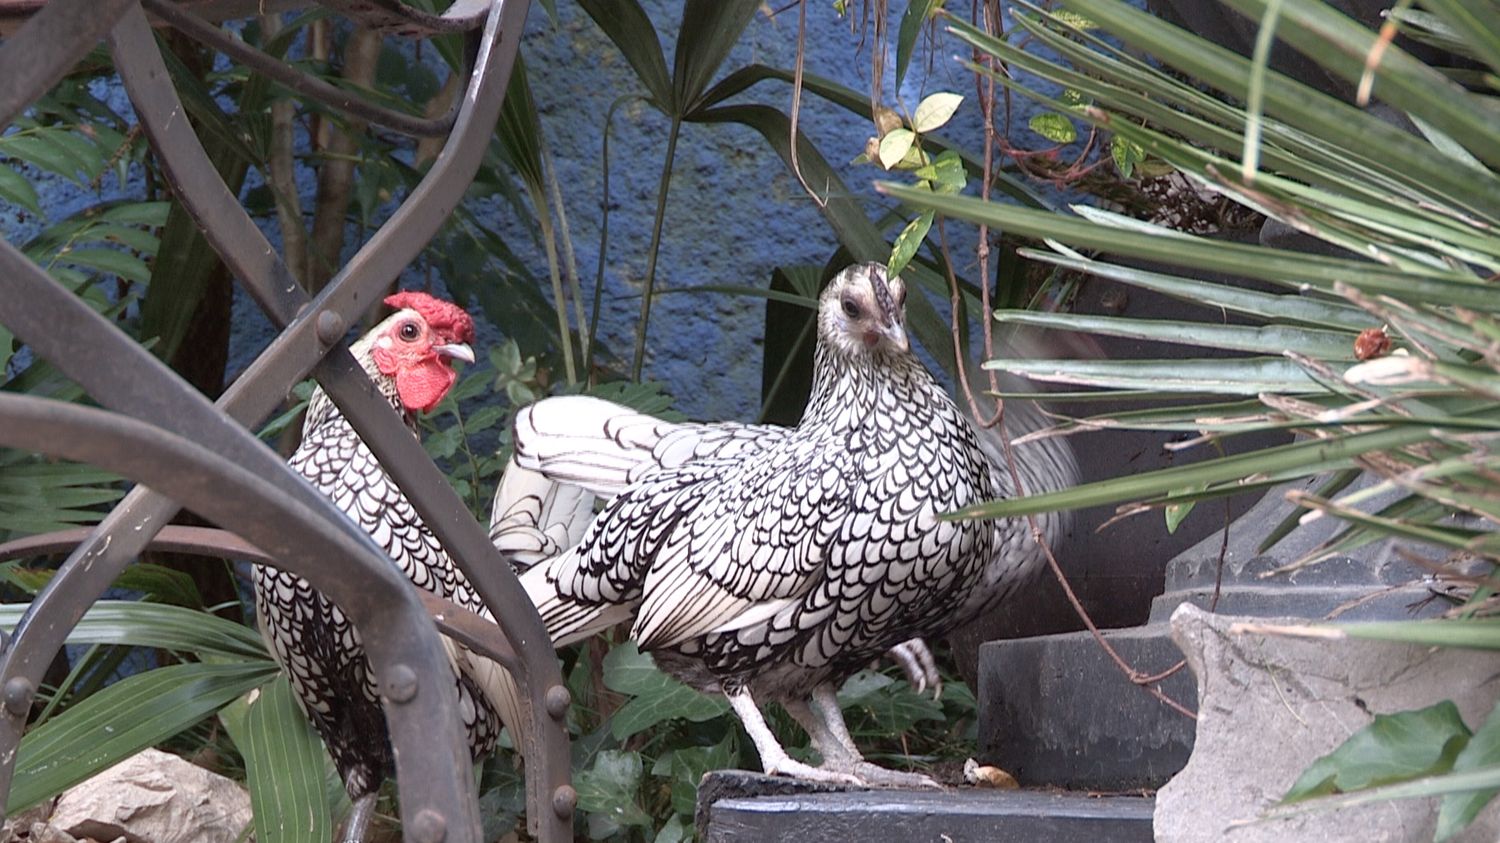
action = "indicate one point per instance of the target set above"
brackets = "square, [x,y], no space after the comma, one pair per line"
[851,309]
[410,331]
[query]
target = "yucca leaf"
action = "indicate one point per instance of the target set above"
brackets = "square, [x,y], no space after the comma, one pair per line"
[1314,456]
[286,767]
[1288,307]
[1224,376]
[1268,339]
[121,720]
[1276,265]
[159,625]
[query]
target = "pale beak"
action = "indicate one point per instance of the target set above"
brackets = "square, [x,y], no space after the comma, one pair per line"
[896,334]
[456,351]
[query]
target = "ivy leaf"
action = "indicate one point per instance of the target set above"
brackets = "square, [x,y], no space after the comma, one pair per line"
[1394,748]
[907,242]
[894,707]
[1126,154]
[894,146]
[655,696]
[687,766]
[1483,750]
[1054,127]
[935,110]
[607,791]
[946,172]
[674,831]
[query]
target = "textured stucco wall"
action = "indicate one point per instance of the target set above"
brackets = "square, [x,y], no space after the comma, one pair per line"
[735,211]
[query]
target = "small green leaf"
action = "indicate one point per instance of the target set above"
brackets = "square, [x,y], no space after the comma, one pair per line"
[908,241]
[894,146]
[934,111]
[444,444]
[1074,99]
[519,393]
[1074,19]
[111,261]
[153,214]
[484,418]
[894,707]
[7,349]
[42,154]
[1176,512]
[1459,809]
[17,190]
[1054,127]
[1126,155]
[1394,748]
[916,15]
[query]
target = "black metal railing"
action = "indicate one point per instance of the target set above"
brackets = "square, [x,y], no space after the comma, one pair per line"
[162,433]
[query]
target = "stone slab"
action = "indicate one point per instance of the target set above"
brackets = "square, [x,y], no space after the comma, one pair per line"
[958,815]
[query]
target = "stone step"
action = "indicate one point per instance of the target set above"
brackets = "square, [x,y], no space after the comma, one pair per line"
[740,807]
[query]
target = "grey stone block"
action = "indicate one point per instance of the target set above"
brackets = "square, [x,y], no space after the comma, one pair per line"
[955,816]
[1056,711]
[1370,583]
[1271,704]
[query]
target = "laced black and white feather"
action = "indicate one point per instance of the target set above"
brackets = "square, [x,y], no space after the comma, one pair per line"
[314,640]
[783,557]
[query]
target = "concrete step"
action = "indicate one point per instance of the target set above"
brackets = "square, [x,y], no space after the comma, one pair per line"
[740,807]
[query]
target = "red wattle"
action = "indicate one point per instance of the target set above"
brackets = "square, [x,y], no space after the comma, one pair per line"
[422,385]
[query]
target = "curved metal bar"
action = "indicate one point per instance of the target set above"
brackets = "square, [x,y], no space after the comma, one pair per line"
[47,47]
[216,210]
[337,98]
[416,687]
[254,395]
[460,624]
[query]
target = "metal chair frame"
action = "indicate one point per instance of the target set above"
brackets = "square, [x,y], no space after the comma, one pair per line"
[159,431]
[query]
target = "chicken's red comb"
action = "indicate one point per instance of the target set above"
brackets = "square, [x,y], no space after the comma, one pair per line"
[445,317]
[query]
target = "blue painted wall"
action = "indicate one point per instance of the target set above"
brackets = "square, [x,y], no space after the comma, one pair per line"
[735,210]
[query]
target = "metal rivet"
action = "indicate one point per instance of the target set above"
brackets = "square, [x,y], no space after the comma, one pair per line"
[428,826]
[330,327]
[401,684]
[558,699]
[18,693]
[564,800]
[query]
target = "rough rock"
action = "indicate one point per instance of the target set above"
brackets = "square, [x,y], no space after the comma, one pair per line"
[1269,705]
[157,797]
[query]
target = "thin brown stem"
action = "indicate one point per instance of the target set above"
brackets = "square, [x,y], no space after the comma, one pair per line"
[283,172]
[955,306]
[336,174]
[797,103]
